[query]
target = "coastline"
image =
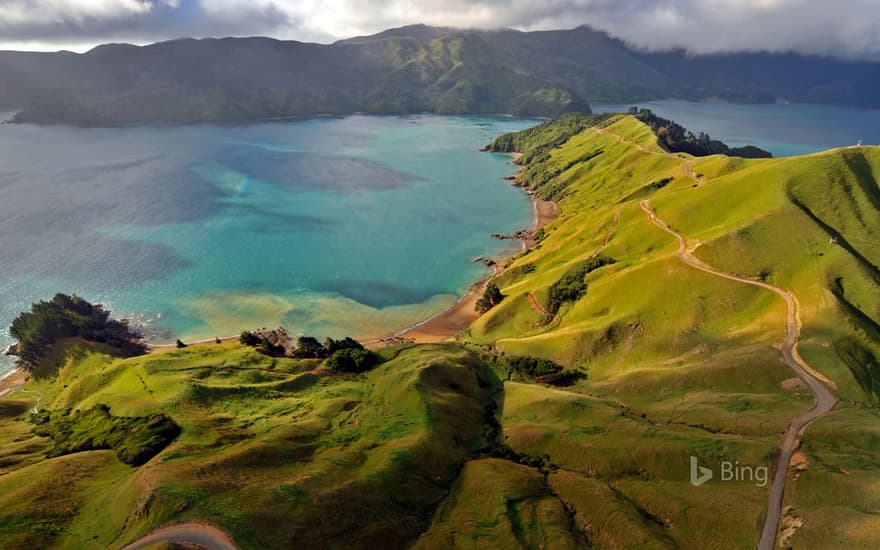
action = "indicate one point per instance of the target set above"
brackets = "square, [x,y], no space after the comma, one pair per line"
[13,381]
[446,325]
[439,328]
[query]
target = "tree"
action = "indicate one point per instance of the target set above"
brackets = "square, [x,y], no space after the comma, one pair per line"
[248,338]
[331,345]
[491,297]
[571,286]
[273,350]
[353,360]
[676,139]
[309,347]
[68,317]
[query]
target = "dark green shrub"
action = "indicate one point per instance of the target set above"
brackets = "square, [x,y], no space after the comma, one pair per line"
[353,360]
[310,348]
[331,346]
[491,297]
[571,286]
[134,439]
[248,338]
[533,366]
[270,349]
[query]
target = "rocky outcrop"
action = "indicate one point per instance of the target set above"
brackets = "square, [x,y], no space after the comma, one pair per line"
[523,234]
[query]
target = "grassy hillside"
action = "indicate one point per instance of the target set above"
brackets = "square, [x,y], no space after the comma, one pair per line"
[354,461]
[442,445]
[691,355]
[407,70]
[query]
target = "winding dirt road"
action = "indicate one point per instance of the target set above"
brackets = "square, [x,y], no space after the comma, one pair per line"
[819,384]
[199,534]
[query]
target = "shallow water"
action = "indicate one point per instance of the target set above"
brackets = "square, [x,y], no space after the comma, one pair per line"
[347,226]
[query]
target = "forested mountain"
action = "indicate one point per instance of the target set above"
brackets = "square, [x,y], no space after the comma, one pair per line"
[407,70]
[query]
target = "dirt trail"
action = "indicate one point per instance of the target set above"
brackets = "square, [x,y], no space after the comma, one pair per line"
[536,305]
[199,534]
[688,164]
[821,387]
[610,232]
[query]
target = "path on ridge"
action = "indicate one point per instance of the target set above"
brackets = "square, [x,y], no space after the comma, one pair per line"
[819,384]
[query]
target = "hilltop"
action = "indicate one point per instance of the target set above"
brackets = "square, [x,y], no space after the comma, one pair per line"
[482,442]
[412,69]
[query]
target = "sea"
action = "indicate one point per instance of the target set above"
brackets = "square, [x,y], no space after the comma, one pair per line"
[360,225]
[784,129]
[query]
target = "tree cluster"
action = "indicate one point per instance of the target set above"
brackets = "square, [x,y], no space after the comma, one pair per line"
[543,370]
[353,360]
[675,138]
[68,317]
[134,439]
[308,347]
[344,355]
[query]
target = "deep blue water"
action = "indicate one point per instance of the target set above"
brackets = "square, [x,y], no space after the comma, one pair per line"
[356,225]
[784,130]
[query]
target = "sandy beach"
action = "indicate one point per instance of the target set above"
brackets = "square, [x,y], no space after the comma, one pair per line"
[451,322]
[12,382]
[448,324]
[443,326]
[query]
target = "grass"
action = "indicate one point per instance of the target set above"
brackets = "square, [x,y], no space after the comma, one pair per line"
[135,440]
[500,504]
[837,482]
[315,452]
[677,363]
[690,357]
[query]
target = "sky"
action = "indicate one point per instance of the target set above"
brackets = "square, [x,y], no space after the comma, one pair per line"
[847,28]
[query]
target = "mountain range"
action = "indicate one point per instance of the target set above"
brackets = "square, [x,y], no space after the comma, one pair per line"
[411,69]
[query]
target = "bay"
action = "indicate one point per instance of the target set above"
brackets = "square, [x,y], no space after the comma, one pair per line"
[355,226]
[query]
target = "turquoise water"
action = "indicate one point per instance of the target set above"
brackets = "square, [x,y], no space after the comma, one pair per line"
[356,225]
[352,226]
[782,129]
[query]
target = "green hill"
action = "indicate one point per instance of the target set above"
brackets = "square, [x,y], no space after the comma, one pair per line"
[443,445]
[407,70]
[692,355]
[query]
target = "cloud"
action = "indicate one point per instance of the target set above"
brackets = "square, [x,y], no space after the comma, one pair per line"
[848,28]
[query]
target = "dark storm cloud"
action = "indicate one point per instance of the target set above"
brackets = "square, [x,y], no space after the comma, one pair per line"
[844,27]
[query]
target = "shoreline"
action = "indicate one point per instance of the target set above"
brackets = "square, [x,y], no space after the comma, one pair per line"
[13,381]
[441,327]
[449,323]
